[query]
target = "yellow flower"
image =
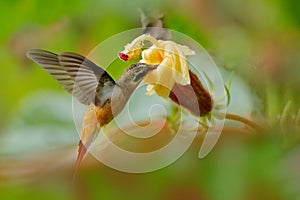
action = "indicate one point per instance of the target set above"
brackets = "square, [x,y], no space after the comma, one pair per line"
[170,58]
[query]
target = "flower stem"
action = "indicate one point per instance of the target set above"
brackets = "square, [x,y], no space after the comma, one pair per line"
[243,120]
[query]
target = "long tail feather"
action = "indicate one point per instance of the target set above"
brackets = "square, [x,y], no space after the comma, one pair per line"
[82,149]
[89,133]
[81,153]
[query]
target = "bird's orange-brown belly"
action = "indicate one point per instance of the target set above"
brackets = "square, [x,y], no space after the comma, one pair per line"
[104,114]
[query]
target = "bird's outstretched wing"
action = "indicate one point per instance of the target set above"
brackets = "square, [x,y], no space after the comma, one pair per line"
[76,74]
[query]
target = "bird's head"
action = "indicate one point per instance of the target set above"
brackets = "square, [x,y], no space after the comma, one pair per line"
[134,75]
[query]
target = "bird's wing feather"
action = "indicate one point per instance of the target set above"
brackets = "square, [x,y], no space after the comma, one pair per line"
[76,74]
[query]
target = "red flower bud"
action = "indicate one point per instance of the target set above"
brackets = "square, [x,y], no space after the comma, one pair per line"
[123,56]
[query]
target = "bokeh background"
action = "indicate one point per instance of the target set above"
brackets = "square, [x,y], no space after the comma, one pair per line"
[257,40]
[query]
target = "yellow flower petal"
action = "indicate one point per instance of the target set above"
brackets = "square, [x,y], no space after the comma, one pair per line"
[150,89]
[132,55]
[161,83]
[171,58]
[151,56]
[186,50]
[158,89]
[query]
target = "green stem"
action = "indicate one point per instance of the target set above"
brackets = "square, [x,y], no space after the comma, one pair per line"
[243,120]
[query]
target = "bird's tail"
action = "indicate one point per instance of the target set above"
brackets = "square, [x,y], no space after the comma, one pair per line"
[89,132]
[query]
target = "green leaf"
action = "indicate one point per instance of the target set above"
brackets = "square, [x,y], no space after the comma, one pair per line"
[285,114]
[210,83]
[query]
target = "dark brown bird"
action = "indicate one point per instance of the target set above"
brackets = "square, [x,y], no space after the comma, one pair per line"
[92,86]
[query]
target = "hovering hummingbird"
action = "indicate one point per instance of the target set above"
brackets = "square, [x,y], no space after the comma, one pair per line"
[92,86]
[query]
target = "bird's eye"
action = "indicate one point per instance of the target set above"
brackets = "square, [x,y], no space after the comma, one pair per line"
[139,76]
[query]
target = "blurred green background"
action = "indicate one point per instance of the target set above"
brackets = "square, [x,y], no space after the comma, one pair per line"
[258,40]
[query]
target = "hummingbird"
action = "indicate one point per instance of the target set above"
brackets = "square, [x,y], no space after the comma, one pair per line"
[93,86]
